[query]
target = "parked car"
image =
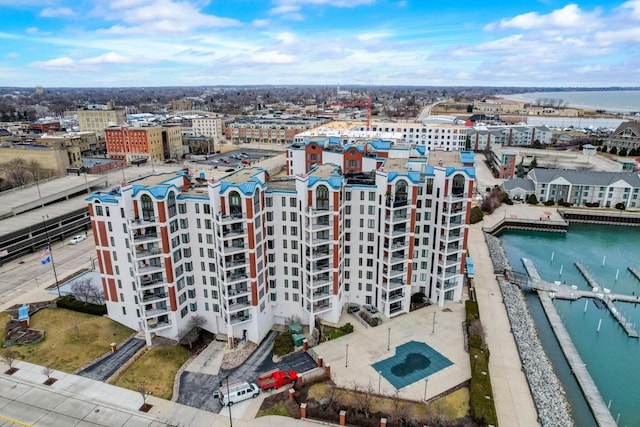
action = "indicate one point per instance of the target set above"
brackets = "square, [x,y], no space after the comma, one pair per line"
[77,239]
[370,308]
[353,308]
[246,162]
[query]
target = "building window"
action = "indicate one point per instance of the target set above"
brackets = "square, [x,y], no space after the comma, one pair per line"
[171,204]
[235,204]
[147,207]
[322,197]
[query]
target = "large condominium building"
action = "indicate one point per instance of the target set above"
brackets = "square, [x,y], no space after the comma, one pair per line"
[95,118]
[433,136]
[211,127]
[369,223]
[261,130]
[153,143]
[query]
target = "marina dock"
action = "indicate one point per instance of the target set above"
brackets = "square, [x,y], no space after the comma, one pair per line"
[591,393]
[634,271]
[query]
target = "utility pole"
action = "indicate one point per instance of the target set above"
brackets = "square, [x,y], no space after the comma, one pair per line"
[50,249]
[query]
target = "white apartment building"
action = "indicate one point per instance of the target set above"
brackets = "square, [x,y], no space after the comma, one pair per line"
[211,127]
[433,136]
[484,137]
[363,223]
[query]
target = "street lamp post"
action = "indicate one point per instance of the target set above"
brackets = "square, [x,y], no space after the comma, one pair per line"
[379,379]
[433,327]
[53,264]
[426,381]
[389,339]
[228,400]
[346,357]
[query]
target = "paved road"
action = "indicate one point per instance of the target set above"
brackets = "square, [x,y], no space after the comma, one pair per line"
[104,368]
[25,274]
[197,389]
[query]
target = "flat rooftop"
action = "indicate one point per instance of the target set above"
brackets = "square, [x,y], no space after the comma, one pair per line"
[324,171]
[445,158]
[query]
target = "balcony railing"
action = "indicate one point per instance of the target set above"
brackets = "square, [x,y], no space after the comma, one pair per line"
[142,222]
[154,326]
[239,318]
[148,269]
[229,232]
[235,217]
[145,237]
[237,291]
[153,297]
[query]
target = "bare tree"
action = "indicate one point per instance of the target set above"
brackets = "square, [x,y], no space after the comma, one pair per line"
[363,398]
[48,371]
[86,291]
[9,357]
[192,332]
[399,411]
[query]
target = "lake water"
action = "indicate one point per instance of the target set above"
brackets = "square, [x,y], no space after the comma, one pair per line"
[623,101]
[612,358]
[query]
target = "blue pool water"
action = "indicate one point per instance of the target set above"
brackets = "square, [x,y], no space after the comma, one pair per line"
[412,362]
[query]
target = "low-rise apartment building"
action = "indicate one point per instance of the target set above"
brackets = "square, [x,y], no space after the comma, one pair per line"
[247,251]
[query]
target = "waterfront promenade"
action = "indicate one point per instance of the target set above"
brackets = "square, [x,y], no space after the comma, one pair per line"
[512,396]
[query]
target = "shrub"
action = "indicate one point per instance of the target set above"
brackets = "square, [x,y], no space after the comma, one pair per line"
[70,303]
[508,201]
[532,199]
[417,298]
[592,204]
[283,344]
[471,308]
[347,328]
[476,215]
[620,206]
[475,341]
[549,203]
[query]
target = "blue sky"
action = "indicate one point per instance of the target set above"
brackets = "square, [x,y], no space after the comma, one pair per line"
[105,43]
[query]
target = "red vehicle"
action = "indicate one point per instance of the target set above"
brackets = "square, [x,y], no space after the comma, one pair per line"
[276,379]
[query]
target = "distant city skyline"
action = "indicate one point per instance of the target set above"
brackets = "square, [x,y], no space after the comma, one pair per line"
[127,43]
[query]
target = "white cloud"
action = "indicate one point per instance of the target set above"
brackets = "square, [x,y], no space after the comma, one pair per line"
[569,16]
[272,57]
[158,17]
[261,22]
[292,8]
[87,64]
[631,7]
[54,12]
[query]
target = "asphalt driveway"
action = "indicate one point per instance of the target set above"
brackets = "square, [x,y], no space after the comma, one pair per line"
[197,389]
[104,368]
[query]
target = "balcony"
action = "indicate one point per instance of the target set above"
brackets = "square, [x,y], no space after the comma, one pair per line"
[152,281]
[146,237]
[139,223]
[392,284]
[228,232]
[394,272]
[142,252]
[321,207]
[156,324]
[320,224]
[153,296]
[398,202]
[237,318]
[234,248]
[236,277]
[239,304]
[392,296]
[446,285]
[394,308]
[230,262]
[321,280]
[320,307]
[397,217]
[231,218]
[154,310]
[321,266]
[449,261]
[149,269]
[237,291]
[320,238]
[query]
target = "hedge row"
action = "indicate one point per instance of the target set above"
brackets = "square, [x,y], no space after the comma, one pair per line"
[70,303]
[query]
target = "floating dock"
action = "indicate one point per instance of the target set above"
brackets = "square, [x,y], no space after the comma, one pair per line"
[634,271]
[579,369]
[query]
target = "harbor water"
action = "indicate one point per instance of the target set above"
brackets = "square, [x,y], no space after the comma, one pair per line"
[612,358]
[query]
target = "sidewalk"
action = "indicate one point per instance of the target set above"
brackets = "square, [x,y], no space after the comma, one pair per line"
[514,404]
[74,400]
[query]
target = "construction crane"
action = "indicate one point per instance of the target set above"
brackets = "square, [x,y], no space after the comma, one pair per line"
[366,103]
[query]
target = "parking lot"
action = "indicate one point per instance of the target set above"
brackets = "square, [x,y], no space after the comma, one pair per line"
[232,160]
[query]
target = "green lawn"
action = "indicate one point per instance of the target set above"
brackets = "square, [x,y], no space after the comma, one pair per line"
[155,371]
[72,339]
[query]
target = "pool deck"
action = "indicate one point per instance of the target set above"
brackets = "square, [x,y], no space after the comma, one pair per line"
[351,357]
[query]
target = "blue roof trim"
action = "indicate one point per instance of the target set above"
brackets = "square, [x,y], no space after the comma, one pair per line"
[467,157]
[335,182]
[159,192]
[470,171]
[102,198]
[421,149]
[248,188]
[379,144]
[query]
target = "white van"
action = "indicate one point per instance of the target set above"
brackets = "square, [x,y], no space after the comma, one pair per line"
[237,393]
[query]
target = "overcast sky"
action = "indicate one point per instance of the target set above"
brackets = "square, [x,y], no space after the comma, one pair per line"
[105,43]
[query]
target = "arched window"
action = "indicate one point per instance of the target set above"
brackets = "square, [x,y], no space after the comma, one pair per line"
[322,197]
[235,204]
[171,204]
[256,201]
[148,212]
[457,188]
[401,191]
